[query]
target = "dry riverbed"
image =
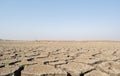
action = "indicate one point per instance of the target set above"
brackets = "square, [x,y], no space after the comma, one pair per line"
[59,58]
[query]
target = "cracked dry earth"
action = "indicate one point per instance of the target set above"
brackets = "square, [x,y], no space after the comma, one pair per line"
[59,58]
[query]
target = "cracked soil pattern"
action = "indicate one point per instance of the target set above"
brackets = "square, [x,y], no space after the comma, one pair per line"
[59,58]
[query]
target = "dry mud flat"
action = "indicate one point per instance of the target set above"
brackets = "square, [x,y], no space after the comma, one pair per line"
[59,58]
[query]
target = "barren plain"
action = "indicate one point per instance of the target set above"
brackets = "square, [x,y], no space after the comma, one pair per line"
[59,58]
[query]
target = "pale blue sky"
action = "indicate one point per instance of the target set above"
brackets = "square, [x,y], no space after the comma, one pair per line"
[60,19]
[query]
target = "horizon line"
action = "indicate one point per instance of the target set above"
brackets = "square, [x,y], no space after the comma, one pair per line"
[60,40]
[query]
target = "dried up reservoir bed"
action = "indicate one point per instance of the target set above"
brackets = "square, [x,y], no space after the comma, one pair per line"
[59,58]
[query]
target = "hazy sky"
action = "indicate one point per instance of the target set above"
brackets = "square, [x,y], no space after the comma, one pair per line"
[60,19]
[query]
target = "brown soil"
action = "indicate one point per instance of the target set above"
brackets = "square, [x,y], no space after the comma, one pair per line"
[59,58]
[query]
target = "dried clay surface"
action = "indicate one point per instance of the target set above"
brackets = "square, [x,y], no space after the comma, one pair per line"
[59,58]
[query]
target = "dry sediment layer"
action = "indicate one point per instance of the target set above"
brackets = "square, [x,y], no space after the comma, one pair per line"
[59,58]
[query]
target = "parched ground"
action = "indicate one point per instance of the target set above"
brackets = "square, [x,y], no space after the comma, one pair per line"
[59,58]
